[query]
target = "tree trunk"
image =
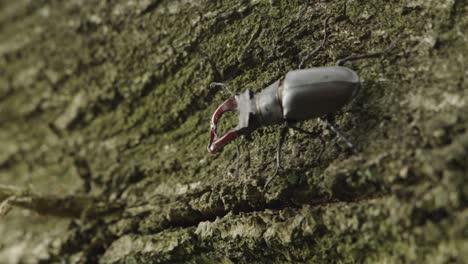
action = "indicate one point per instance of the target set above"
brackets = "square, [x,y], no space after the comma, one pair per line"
[105,108]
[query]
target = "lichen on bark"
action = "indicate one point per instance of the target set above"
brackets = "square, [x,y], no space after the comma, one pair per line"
[109,103]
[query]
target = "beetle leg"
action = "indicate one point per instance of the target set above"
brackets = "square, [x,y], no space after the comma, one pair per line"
[236,157]
[311,54]
[314,135]
[282,136]
[319,156]
[340,62]
[248,138]
[236,173]
[340,135]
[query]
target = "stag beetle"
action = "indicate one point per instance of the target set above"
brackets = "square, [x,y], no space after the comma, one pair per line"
[303,94]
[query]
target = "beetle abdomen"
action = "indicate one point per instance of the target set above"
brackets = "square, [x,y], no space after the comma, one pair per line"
[315,92]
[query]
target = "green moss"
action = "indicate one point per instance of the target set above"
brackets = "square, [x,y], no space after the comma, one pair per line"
[124,89]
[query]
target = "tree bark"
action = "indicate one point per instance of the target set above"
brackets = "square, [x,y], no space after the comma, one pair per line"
[105,108]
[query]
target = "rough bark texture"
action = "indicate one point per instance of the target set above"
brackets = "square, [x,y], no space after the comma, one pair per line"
[109,101]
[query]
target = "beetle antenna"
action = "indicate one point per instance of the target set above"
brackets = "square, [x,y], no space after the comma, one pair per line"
[222,85]
[352,57]
[282,136]
[311,54]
